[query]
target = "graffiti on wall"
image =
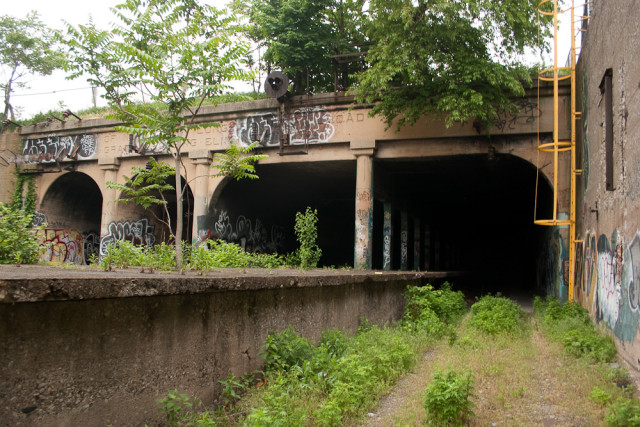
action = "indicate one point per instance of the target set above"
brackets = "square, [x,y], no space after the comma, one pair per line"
[252,236]
[90,246]
[307,125]
[138,232]
[550,268]
[609,273]
[57,148]
[609,291]
[138,145]
[39,219]
[528,115]
[62,246]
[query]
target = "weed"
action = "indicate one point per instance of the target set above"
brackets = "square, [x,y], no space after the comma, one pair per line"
[283,350]
[620,377]
[307,234]
[176,407]
[233,388]
[432,309]
[624,412]
[600,396]
[495,315]
[18,241]
[447,398]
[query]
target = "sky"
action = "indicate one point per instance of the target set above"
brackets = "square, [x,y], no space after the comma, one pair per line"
[46,92]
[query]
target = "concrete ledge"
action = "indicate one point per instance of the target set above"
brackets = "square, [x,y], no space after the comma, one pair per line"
[85,347]
[45,283]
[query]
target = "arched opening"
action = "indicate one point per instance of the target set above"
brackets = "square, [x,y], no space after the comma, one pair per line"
[155,223]
[259,214]
[470,213]
[72,209]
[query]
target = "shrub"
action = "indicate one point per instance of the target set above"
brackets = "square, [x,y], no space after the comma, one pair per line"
[624,413]
[447,398]
[307,234]
[18,241]
[433,309]
[586,342]
[283,350]
[495,315]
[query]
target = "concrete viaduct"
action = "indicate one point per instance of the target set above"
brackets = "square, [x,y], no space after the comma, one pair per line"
[425,197]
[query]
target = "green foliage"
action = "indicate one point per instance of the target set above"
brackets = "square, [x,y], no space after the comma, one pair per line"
[27,47]
[624,412]
[233,388]
[497,315]
[586,342]
[177,408]
[600,396]
[300,36]
[182,52]
[237,162]
[447,398]
[569,324]
[462,60]
[284,350]
[432,309]
[307,233]
[18,241]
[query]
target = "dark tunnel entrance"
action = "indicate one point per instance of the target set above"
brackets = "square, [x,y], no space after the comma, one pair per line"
[73,201]
[260,214]
[473,213]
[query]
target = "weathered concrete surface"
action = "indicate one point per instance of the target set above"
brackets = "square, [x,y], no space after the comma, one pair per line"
[95,348]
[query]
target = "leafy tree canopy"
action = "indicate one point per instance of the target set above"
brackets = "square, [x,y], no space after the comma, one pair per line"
[27,47]
[301,35]
[175,54]
[460,58]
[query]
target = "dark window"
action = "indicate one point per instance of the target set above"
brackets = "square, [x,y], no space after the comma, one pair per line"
[607,93]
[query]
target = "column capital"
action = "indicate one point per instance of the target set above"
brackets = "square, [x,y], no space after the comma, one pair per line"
[109,163]
[200,157]
[363,151]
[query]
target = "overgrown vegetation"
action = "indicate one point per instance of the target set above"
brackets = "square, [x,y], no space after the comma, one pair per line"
[339,379]
[18,242]
[307,233]
[495,315]
[447,398]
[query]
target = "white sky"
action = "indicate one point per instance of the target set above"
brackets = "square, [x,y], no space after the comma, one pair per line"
[45,93]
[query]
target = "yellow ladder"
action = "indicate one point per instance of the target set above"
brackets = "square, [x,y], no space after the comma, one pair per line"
[552,74]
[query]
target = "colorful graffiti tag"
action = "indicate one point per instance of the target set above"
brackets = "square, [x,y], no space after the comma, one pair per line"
[62,246]
[608,279]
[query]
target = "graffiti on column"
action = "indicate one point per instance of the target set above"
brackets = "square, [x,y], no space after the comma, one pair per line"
[252,236]
[58,148]
[62,246]
[138,232]
[307,125]
[386,249]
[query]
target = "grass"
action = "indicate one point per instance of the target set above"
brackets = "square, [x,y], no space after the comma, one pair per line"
[522,372]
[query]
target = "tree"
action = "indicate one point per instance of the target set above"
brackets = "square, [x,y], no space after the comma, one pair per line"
[300,36]
[459,58]
[27,47]
[181,53]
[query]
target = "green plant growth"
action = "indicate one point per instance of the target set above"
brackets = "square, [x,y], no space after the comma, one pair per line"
[497,315]
[307,233]
[238,162]
[147,187]
[569,324]
[447,398]
[284,350]
[181,52]
[433,309]
[176,407]
[18,240]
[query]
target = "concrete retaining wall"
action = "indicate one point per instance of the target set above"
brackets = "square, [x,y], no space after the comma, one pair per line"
[88,348]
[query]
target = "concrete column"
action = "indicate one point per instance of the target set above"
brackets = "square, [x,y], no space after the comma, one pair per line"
[416,244]
[404,241]
[387,238]
[364,208]
[427,247]
[202,160]
[109,208]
